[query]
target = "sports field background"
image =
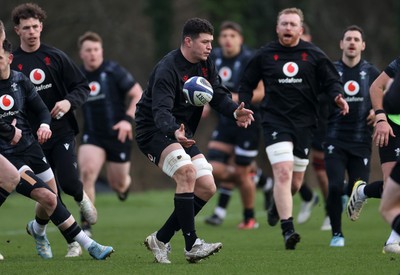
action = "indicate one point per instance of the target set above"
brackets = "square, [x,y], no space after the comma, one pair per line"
[124,225]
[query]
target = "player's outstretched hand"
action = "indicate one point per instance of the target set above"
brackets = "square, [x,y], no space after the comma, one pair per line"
[182,139]
[243,116]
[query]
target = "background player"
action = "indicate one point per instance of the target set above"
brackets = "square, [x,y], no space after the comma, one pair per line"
[107,135]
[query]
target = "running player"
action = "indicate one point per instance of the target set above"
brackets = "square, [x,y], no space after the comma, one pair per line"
[348,138]
[387,137]
[294,72]
[165,126]
[107,135]
[63,89]
[18,96]
[232,150]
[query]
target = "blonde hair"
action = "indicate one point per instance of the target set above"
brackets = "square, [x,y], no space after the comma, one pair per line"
[89,36]
[297,11]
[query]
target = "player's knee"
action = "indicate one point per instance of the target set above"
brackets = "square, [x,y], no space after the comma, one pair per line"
[300,165]
[45,197]
[178,161]
[203,168]
[87,171]
[280,152]
[185,178]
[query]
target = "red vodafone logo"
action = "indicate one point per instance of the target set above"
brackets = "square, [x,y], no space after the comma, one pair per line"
[290,69]
[94,88]
[225,73]
[37,76]
[6,102]
[351,87]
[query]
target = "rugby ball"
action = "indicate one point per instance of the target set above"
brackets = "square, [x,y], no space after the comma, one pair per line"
[198,91]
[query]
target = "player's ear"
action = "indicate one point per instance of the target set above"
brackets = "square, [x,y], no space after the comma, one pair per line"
[10,58]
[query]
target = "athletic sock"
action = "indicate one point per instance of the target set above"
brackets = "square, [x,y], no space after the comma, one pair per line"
[184,209]
[168,230]
[83,239]
[287,226]
[374,189]
[396,225]
[39,226]
[248,213]
[306,193]
[224,197]
[393,237]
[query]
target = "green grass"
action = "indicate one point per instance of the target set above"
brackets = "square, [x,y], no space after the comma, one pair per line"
[125,225]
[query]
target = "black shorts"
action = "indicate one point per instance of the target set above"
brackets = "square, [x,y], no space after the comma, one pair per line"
[391,152]
[33,157]
[300,137]
[318,140]
[395,174]
[116,151]
[245,140]
[154,144]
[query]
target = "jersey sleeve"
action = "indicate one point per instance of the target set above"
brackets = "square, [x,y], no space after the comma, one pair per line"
[124,79]
[329,77]
[393,68]
[163,102]
[251,77]
[36,105]
[391,100]
[76,83]
[7,131]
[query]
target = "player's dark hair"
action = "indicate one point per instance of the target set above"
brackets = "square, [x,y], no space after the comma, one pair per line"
[89,36]
[230,25]
[354,28]
[195,26]
[26,11]
[7,46]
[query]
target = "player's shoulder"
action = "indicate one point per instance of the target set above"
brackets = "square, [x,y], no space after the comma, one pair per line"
[17,76]
[111,65]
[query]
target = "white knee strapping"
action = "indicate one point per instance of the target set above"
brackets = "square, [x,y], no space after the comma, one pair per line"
[300,165]
[44,176]
[202,167]
[279,152]
[175,160]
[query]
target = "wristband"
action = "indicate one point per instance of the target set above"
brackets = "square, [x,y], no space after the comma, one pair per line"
[234,115]
[381,121]
[379,111]
[45,125]
[128,118]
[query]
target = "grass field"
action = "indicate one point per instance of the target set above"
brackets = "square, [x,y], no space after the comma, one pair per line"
[261,251]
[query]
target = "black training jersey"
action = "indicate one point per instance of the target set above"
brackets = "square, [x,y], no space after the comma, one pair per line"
[393,68]
[391,101]
[231,69]
[17,97]
[356,81]
[163,106]
[105,106]
[56,78]
[7,131]
[293,77]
